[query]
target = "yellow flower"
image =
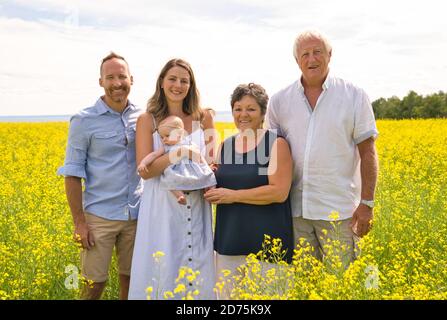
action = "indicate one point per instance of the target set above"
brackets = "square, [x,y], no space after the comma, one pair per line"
[271,273]
[226,272]
[181,274]
[149,292]
[158,254]
[334,216]
[191,277]
[180,288]
[411,200]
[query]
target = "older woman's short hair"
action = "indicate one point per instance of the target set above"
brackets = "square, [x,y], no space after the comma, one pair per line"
[254,90]
[310,34]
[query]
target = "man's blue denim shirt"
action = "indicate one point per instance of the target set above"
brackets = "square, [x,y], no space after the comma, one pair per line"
[101,150]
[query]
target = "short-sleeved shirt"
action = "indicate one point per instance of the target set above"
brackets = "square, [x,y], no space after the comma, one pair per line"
[323,142]
[101,151]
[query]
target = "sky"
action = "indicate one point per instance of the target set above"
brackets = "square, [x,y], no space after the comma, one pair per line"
[50,50]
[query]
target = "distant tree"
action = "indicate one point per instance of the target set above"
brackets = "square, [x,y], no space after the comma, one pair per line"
[434,106]
[379,107]
[392,109]
[411,106]
[409,102]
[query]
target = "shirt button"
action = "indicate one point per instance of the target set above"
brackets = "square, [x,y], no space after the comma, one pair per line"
[189,219]
[188,207]
[189,232]
[189,246]
[190,259]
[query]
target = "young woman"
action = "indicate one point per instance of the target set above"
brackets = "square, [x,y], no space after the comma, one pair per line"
[183,233]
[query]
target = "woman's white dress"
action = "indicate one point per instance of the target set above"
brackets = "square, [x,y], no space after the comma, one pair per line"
[182,232]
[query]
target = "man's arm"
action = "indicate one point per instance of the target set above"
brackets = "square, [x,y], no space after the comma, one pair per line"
[368,168]
[211,137]
[271,119]
[73,190]
[363,215]
[74,171]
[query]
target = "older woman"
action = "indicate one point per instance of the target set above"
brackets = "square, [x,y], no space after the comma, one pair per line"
[253,184]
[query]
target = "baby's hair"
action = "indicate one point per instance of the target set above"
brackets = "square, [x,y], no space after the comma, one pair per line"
[172,122]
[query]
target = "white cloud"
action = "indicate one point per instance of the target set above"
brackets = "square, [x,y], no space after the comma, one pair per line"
[50,65]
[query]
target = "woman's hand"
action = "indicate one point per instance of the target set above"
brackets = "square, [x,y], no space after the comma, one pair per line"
[220,196]
[214,166]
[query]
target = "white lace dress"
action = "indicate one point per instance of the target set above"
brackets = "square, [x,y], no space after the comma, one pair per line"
[182,232]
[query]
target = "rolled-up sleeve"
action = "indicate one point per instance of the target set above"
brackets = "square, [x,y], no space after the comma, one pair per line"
[76,153]
[364,121]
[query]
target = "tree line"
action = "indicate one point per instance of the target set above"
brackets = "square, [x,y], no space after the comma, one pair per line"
[412,105]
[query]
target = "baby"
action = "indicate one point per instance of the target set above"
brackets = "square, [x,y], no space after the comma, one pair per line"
[185,175]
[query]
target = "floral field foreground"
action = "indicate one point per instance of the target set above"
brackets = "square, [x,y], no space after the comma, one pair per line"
[404,256]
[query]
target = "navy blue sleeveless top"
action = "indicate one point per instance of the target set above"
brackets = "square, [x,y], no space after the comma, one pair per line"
[240,227]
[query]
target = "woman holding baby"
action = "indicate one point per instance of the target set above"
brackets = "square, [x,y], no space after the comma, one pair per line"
[171,135]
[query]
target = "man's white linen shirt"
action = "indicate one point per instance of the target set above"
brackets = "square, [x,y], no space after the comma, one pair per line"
[323,143]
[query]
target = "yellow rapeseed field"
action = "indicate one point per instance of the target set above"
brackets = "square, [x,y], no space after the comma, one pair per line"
[404,256]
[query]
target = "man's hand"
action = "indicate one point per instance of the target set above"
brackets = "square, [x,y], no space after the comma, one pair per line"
[84,236]
[361,220]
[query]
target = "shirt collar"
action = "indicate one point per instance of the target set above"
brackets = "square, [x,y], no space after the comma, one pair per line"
[102,107]
[326,84]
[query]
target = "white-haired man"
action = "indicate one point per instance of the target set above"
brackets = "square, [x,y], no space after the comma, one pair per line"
[330,126]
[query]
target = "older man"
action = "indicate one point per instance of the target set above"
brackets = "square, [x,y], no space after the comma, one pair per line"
[330,126]
[101,151]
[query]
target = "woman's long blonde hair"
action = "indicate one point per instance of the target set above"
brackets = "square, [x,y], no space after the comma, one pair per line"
[158,105]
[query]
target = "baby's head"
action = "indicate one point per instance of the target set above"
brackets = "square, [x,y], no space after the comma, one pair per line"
[171,130]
